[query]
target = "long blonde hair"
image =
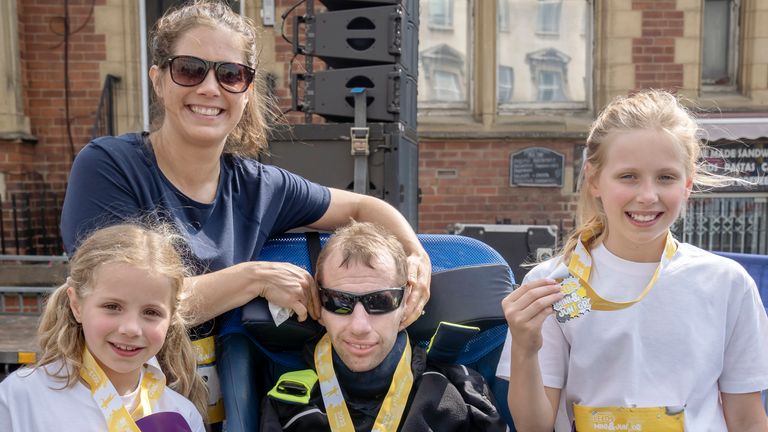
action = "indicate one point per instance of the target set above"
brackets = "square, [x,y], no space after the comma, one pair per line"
[249,138]
[647,109]
[152,249]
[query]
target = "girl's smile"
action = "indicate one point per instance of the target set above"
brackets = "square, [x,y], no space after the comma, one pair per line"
[125,318]
[642,187]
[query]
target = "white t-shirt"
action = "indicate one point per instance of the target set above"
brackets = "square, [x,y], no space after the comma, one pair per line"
[702,329]
[31,400]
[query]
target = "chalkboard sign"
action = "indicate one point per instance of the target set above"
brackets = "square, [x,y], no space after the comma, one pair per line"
[536,166]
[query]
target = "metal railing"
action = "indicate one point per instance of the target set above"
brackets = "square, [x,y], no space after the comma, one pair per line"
[726,224]
[105,114]
[30,223]
[26,280]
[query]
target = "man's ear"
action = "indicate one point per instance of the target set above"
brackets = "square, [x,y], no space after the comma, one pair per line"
[406,294]
[74,303]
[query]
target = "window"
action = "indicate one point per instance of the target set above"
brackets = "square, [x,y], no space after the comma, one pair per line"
[550,86]
[506,86]
[446,87]
[441,14]
[550,57]
[13,121]
[443,57]
[720,36]
[548,17]
[502,13]
[549,69]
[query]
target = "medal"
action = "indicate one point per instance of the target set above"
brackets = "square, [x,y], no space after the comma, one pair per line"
[575,303]
[580,298]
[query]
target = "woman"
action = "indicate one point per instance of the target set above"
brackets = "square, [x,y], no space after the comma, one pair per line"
[196,168]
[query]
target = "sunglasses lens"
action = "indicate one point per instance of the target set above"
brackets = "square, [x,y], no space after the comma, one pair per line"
[382,302]
[188,71]
[375,303]
[234,77]
[337,302]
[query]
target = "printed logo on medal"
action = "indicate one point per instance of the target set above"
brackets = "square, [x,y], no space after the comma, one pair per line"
[575,303]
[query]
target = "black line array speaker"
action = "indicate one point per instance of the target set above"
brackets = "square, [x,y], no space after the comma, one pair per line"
[321,153]
[371,44]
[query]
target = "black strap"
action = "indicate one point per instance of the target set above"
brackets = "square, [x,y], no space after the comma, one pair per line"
[313,244]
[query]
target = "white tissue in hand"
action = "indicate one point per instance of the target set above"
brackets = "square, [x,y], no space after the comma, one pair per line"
[279,313]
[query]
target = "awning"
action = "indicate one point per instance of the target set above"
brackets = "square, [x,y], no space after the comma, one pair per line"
[733,126]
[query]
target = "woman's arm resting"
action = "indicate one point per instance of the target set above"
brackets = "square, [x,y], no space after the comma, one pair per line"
[283,284]
[362,208]
[744,412]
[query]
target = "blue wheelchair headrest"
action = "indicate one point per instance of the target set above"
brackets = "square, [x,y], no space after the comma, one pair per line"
[469,280]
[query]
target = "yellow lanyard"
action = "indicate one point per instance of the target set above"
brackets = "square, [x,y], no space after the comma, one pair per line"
[580,266]
[109,402]
[394,403]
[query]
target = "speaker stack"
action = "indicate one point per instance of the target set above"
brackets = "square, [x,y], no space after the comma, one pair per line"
[365,43]
[369,44]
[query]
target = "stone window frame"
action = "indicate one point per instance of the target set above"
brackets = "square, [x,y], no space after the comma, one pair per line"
[732,48]
[14,123]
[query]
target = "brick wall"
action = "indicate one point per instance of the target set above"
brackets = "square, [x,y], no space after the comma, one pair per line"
[42,36]
[467,181]
[44,165]
[284,55]
[654,53]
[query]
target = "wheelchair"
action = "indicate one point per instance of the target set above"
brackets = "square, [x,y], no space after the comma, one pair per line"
[469,280]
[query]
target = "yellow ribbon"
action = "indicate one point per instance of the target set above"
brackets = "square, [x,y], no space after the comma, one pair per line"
[109,401]
[580,266]
[391,411]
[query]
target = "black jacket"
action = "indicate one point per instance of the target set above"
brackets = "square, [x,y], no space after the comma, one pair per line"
[444,398]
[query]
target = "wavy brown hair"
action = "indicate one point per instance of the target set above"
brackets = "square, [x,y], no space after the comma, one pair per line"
[249,138]
[153,250]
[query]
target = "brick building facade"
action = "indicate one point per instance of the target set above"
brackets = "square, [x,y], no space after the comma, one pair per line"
[470,121]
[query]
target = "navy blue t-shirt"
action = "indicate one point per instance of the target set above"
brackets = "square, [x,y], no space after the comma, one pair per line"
[115,179]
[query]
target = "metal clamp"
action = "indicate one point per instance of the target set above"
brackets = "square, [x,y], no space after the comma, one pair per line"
[359,138]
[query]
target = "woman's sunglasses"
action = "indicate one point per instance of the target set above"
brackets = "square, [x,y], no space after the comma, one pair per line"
[375,303]
[189,71]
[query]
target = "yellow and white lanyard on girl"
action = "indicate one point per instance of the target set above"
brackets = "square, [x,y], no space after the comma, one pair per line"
[111,404]
[580,298]
[394,403]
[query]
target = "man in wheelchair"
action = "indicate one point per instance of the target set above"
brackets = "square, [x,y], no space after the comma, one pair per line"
[366,374]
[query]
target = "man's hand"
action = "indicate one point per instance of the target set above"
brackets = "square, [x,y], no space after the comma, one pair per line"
[419,276]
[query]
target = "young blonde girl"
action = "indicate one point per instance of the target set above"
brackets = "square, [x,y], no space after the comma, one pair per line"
[629,329]
[112,338]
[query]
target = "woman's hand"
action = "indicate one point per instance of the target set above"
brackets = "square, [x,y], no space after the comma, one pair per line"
[419,276]
[285,285]
[525,310]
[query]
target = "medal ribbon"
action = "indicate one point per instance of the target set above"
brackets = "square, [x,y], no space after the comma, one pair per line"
[580,266]
[109,401]
[392,408]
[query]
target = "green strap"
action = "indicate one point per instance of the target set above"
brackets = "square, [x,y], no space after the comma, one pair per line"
[294,387]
